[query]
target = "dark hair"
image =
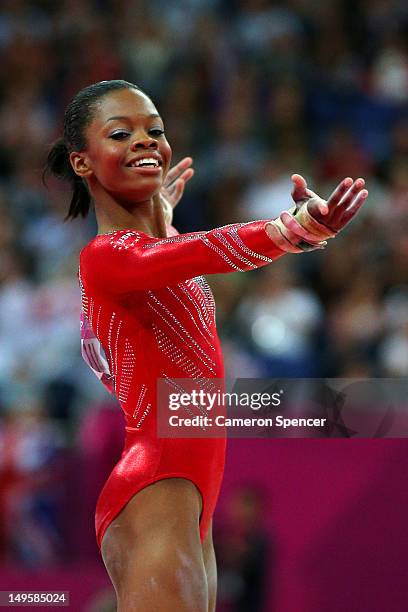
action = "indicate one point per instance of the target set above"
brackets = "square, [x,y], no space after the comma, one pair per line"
[79,113]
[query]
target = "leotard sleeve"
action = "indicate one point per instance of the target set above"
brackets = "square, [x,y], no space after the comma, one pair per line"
[128,260]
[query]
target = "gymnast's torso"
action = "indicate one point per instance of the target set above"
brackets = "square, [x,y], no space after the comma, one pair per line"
[148,314]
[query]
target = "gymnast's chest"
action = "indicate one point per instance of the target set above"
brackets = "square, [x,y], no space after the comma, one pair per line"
[190,303]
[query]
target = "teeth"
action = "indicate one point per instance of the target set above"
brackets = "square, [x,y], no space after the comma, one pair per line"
[147,161]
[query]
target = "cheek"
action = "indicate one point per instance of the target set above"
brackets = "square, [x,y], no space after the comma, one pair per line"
[108,158]
[114,158]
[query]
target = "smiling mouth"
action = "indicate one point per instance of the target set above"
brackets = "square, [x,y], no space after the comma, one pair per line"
[146,162]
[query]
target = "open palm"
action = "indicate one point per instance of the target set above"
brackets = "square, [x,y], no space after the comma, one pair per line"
[341,206]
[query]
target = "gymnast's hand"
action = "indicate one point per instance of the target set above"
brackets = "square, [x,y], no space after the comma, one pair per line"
[173,187]
[313,220]
[339,209]
[175,181]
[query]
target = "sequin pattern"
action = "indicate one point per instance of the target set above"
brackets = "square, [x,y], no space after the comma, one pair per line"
[180,324]
[127,371]
[152,315]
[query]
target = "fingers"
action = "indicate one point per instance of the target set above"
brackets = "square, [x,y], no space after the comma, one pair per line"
[179,183]
[299,191]
[317,206]
[347,199]
[186,176]
[354,190]
[177,171]
[354,207]
[176,190]
[323,208]
[182,180]
[174,172]
[339,192]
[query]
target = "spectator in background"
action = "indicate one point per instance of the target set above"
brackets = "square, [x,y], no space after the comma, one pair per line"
[245,553]
[32,494]
[394,348]
[279,320]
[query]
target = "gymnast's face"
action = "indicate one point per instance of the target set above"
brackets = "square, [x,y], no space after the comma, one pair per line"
[127,154]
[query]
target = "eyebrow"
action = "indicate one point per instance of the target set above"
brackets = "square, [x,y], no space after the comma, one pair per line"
[122,117]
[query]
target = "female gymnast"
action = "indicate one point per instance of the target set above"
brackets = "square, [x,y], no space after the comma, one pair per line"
[146,304]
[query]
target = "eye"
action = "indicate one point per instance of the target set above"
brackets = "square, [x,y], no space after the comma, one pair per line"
[156,132]
[119,135]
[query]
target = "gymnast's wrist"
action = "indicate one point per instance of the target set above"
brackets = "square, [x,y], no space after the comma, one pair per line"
[289,241]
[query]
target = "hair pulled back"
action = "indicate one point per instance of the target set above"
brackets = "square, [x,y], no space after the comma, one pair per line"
[79,113]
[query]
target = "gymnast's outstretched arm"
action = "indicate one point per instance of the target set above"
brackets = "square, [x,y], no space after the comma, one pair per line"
[129,260]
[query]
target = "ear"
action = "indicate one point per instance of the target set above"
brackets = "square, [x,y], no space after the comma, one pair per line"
[80,164]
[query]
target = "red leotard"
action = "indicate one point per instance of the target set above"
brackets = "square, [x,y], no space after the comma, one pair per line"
[145,302]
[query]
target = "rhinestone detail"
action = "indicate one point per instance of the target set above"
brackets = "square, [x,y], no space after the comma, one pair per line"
[201,354]
[233,233]
[127,369]
[221,253]
[187,309]
[234,252]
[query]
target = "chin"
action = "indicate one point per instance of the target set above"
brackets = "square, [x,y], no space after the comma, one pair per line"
[140,189]
[135,196]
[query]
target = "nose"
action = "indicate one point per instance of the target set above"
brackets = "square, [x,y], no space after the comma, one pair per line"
[144,142]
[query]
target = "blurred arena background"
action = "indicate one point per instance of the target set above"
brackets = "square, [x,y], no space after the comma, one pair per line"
[254,90]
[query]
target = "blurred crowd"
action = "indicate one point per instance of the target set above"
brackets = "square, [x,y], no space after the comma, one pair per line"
[253,90]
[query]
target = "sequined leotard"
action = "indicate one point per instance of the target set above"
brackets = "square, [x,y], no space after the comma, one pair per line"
[146,304]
